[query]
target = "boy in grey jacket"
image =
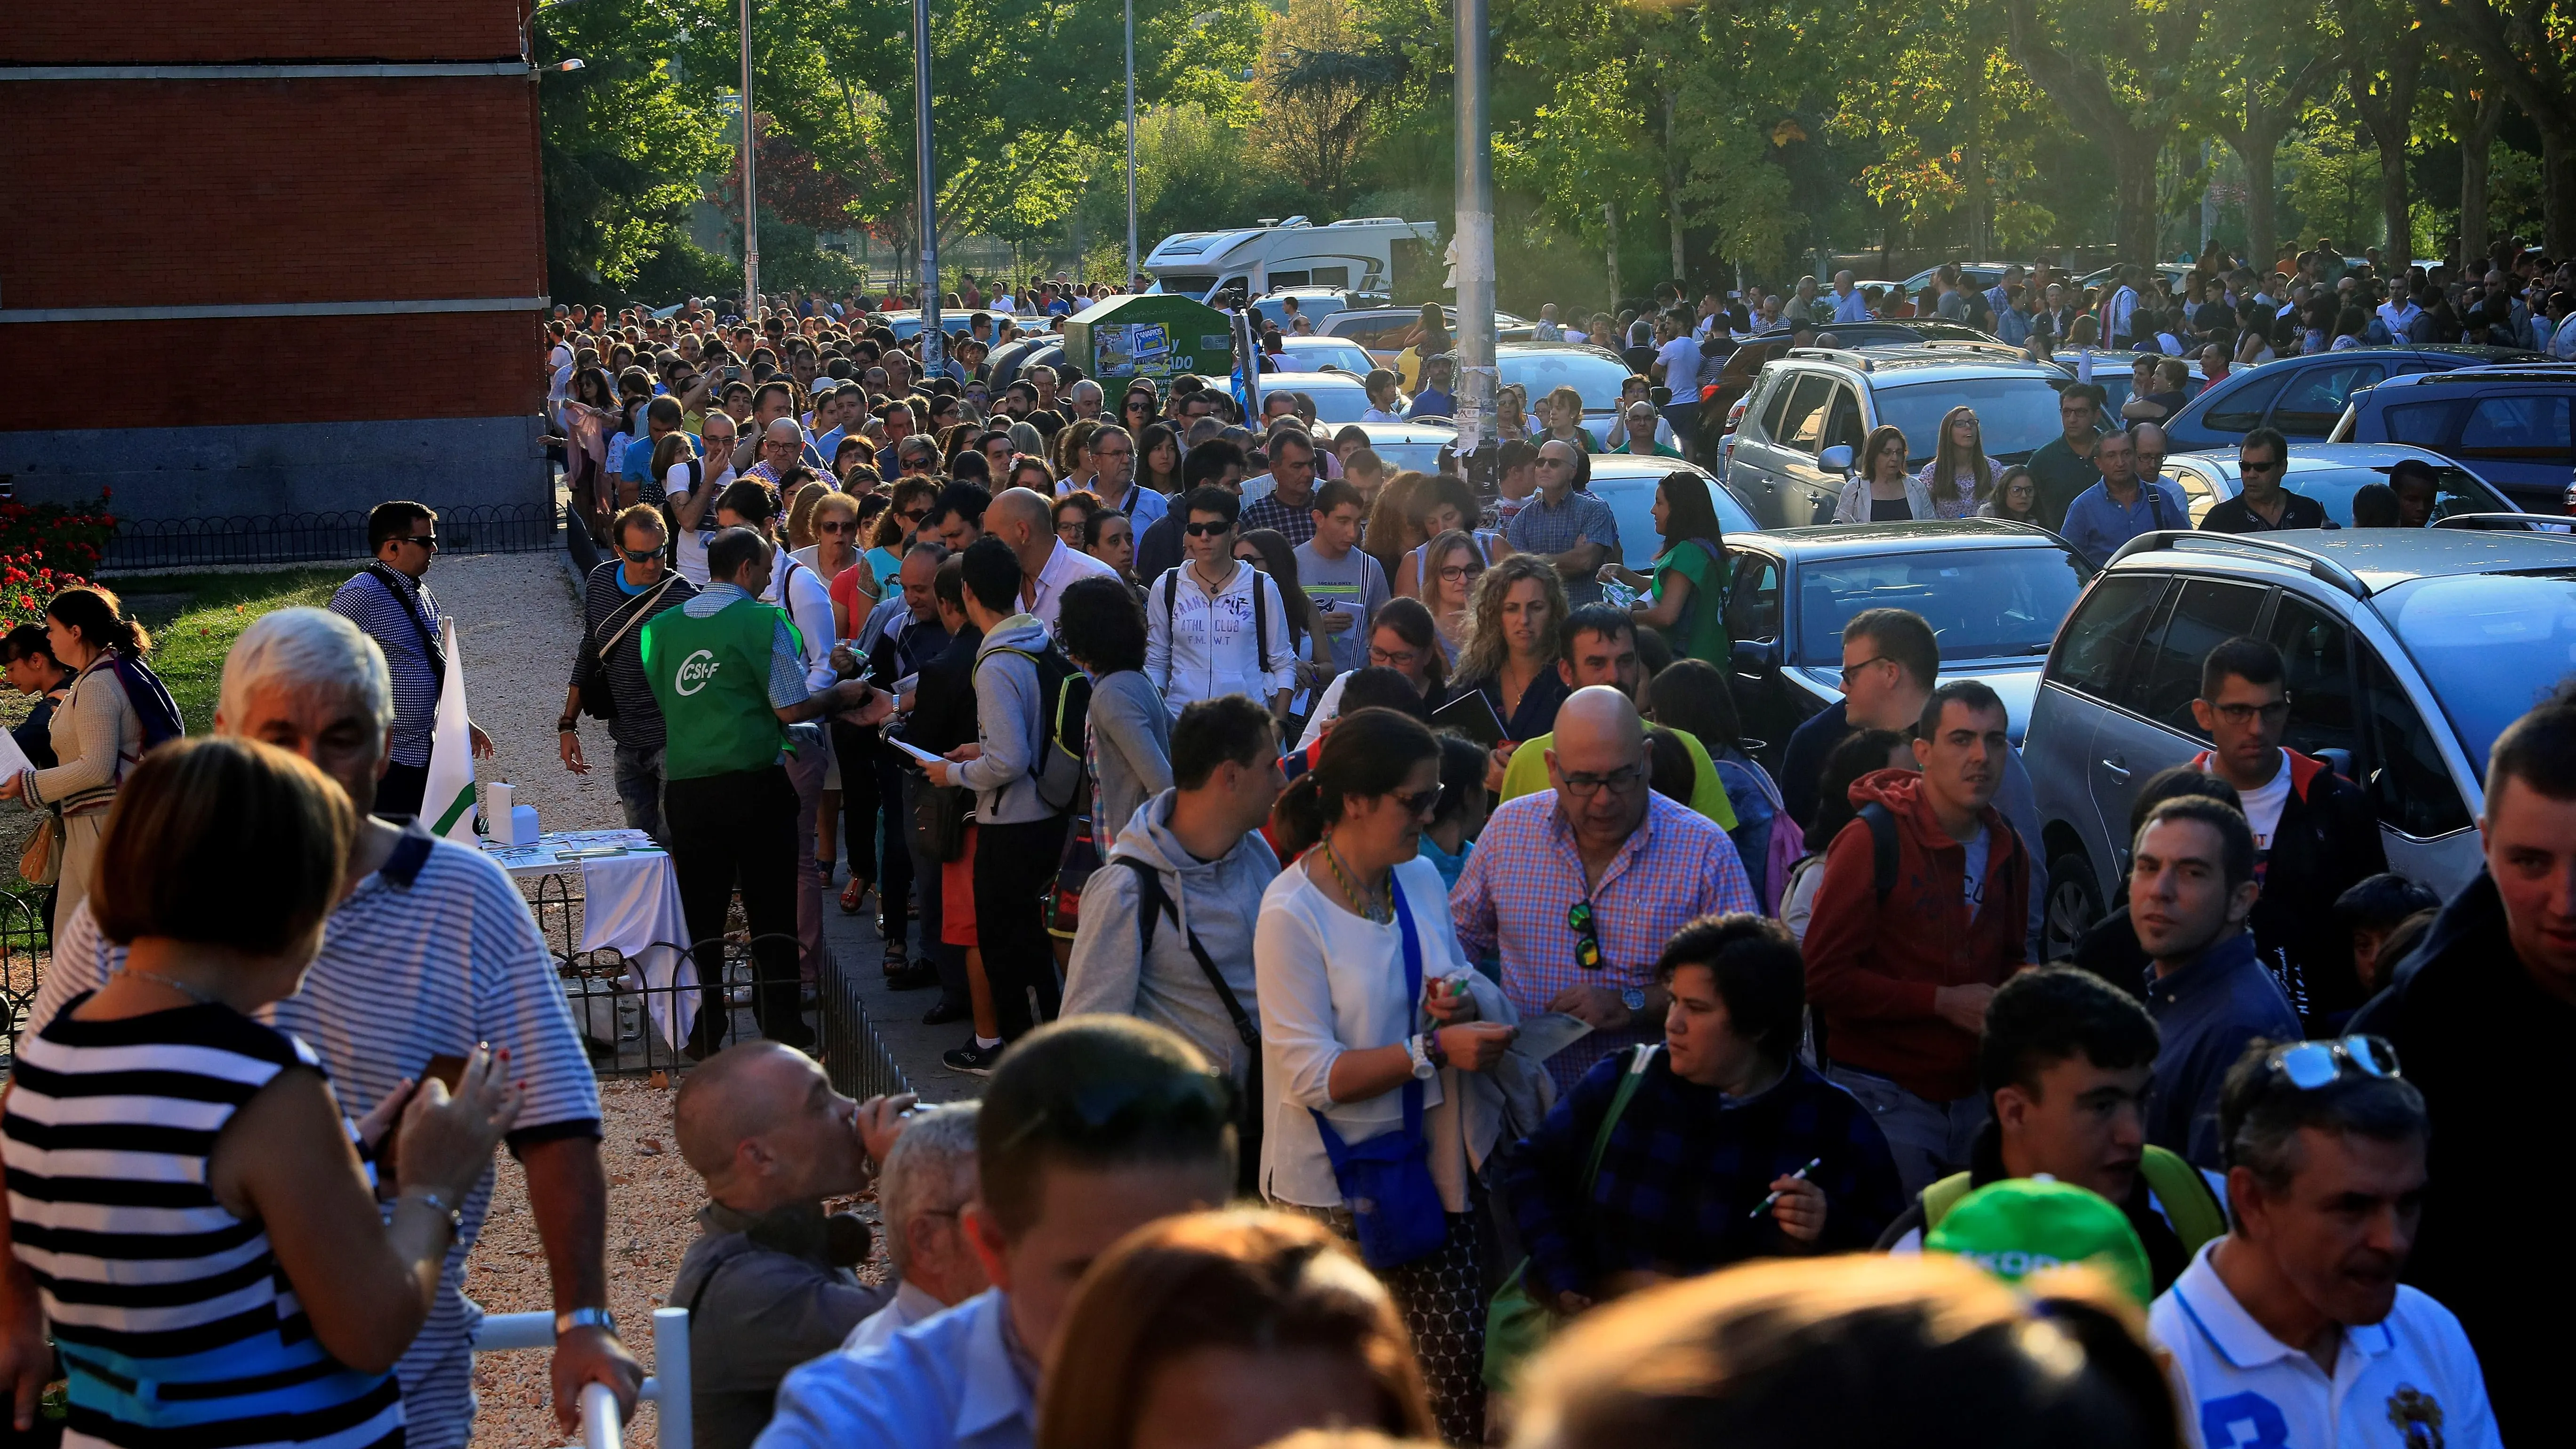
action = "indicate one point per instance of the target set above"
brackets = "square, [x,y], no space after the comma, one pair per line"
[1200,843]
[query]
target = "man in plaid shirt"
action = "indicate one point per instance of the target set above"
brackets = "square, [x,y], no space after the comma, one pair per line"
[1717,1119]
[1579,886]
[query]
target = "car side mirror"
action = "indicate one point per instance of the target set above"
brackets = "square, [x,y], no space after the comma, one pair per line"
[1754,656]
[2340,760]
[1836,459]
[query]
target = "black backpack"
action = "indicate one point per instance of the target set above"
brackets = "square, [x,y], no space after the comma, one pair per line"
[1064,693]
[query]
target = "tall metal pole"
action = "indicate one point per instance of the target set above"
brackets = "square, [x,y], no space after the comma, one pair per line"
[1130,279]
[1474,375]
[934,342]
[750,186]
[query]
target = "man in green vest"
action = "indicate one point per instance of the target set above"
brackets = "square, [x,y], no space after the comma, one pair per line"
[2067,1060]
[729,674]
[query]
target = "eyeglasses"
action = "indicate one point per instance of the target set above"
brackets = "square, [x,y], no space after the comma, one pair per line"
[2245,714]
[1393,658]
[638,555]
[838,525]
[914,515]
[1208,530]
[1556,462]
[2313,1064]
[1587,935]
[1851,669]
[424,540]
[1586,786]
[1420,802]
[1452,573]
[1113,452]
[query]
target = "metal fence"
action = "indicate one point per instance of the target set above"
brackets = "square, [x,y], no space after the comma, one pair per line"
[280,538]
[26,944]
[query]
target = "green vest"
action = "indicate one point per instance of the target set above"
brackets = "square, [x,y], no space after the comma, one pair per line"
[2189,1205]
[711,678]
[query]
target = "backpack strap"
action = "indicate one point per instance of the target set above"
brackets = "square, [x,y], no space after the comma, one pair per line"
[1942,1196]
[2189,1205]
[1882,839]
[1153,901]
[410,853]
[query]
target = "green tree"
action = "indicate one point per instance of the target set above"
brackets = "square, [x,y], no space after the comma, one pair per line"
[2117,71]
[623,143]
[2527,45]
[2383,65]
[2258,65]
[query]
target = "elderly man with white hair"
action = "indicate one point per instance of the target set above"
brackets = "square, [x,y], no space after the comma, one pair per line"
[1086,398]
[926,1181]
[431,952]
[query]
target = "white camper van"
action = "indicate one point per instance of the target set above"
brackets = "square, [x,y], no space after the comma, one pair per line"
[1354,254]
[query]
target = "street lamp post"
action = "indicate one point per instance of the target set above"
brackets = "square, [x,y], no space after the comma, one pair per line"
[1129,280]
[1474,374]
[750,185]
[934,342]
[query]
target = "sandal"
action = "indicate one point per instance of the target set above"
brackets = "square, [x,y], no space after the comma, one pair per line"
[852,895]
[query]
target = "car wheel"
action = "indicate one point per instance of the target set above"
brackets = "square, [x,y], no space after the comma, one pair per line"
[2074,904]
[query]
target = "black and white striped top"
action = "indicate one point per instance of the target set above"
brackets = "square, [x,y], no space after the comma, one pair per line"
[176,1325]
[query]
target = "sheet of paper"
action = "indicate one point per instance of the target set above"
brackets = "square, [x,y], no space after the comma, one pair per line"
[13,760]
[1545,1033]
[924,756]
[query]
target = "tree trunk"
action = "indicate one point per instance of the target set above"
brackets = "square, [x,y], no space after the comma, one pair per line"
[2262,205]
[2133,170]
[2382,85]
[1673,194]
[1610,214]
[2557,186]
[2396,222]
[2475,149]
[1972,158]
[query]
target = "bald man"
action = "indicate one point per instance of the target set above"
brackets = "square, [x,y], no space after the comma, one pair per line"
[1640,867]
[1025,519]
[768,1282]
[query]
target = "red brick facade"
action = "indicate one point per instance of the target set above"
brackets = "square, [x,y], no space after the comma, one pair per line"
[229,32]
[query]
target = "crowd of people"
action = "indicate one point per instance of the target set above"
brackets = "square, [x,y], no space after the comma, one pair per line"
[1398,983]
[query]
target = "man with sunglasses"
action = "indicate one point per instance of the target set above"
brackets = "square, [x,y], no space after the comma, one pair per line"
[618,597]
[2262,465]
[2293,1329]
[2480,1014]
[391,602]
[2316,834]
[1578,887]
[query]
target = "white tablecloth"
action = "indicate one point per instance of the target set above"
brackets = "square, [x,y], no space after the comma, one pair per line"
[630,902]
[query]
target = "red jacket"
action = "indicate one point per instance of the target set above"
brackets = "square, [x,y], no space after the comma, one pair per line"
[1873,966]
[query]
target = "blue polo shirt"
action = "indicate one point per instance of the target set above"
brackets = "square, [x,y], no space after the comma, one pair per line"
[2097,524]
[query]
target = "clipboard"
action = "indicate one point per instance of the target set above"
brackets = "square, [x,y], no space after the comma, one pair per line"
[1472,717]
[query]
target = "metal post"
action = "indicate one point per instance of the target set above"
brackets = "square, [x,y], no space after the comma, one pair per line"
[934,342]
[1128,282]
[750,187]
[1474,375]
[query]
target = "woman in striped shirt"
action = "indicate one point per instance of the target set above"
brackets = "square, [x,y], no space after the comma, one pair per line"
[183,1189]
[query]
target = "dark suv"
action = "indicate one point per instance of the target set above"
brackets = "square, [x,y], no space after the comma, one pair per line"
[2304,396]
[2509,423]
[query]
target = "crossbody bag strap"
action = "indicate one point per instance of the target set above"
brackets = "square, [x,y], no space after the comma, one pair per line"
[419,616]
[1157,901]
[1412,993]
[1640,1057]
[646,602]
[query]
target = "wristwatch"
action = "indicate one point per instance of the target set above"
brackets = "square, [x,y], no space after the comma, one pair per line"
[567,725]
[1634,998]
[599,1318]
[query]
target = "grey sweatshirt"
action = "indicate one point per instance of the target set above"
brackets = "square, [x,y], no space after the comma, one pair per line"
[1008,725]
[1219,899]
[1131,746]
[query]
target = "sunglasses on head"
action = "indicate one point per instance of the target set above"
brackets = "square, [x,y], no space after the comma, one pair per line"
[2313,1064]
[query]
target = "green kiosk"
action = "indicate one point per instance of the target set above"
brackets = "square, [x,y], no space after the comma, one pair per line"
[1147,335]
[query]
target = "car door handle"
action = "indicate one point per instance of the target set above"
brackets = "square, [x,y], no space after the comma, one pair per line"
[2119,771]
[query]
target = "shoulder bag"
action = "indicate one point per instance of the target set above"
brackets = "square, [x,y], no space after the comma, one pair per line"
[1386,1180]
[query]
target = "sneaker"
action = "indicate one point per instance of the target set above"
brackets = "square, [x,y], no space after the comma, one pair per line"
[973,1060]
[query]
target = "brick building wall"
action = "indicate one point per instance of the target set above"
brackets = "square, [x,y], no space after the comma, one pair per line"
[282,256]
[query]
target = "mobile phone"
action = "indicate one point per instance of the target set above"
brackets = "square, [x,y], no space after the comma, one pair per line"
[448,1068]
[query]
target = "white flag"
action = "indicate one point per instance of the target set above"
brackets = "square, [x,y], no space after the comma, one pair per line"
[447,803]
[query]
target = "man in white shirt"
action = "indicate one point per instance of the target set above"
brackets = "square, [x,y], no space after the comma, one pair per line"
[1849,304]
[2399,311]
[1679,360]
[1024,519]
[2292,1332]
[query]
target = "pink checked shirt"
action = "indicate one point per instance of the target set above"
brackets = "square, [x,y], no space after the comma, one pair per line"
[1525,875]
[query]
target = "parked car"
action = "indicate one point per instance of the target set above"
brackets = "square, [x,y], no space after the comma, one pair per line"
[1407,446]
[1326,354]
[2113,372]
[1979,275]
[1628,485]
[2510,423]
[1540,368]
[2408,652]
[2173,272]
[1810,411]
[1339,397]
[1993,592]
[1386,331]
[1744,364]
[2305,396]
[2331,473]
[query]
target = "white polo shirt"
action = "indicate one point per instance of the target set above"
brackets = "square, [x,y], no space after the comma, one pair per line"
[2409,1381]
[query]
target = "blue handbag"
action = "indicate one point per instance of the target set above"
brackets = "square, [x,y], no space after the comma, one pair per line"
[1386,1179]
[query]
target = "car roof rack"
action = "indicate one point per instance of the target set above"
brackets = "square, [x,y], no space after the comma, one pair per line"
[1962,344]
[1857,361]
[2531,521]
[2185,540]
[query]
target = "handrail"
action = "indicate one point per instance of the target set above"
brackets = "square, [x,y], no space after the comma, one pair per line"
[600,1427]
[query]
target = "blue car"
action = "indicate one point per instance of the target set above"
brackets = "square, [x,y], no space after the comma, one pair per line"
[2304,396]
[2509,423]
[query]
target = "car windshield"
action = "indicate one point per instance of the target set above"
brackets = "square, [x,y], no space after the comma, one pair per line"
[2334,487]
[1982,603]
[1632,502]
[1598,378]
[1408,457]
[2017,414]
[2491,645]
[1335,405]
[1316,355]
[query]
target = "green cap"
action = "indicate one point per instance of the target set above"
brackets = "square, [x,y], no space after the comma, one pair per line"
[2022,1226]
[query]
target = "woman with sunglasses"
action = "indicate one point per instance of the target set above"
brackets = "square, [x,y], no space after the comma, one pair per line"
[1140,406]
[911,499]
[1448,505]
[1374,1023]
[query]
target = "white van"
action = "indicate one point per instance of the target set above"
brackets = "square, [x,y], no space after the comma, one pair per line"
[1354,254]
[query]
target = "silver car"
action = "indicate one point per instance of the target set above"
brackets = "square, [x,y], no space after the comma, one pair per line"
[2408,650]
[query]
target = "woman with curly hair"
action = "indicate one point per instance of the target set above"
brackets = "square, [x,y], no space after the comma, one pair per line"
[1515,635]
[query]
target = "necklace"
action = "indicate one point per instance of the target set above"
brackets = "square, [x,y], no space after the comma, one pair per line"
[182,987]
[1366,901]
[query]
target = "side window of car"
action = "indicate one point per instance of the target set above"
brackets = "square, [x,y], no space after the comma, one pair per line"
[2316,659]
[1753,608]
[2166,678]
[1804,426]
[2526,428]
[2199,492]
[2242,409]
[2095,645]
[1774,404]
[2426,425]
[1842,422]
[2408,782]
[2316,397]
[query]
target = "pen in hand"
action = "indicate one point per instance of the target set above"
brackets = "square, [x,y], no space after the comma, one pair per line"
[1798,1176]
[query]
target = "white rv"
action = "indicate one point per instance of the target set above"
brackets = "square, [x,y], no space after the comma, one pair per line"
[1354,254]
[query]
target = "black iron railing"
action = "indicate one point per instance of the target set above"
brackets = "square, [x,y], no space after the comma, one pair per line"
[279,538]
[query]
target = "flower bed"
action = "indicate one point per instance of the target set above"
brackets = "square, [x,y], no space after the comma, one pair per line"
[44,549]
